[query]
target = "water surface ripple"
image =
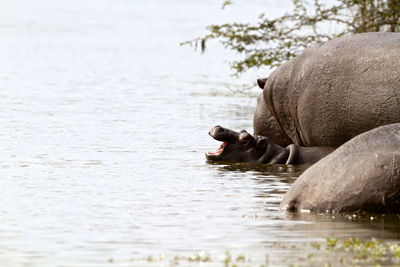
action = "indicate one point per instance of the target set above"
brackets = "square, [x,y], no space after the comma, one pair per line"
[104,128]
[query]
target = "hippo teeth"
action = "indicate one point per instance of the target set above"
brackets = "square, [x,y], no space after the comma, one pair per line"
[219,151]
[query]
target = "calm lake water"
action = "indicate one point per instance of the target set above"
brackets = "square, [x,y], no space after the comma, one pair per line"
[104,128]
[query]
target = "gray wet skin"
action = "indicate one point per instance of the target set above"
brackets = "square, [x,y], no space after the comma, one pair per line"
[332,92]
[244,147]
[361,175]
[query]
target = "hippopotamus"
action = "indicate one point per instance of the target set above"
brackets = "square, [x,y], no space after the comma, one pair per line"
[332,92]
[361,175]
[244,147]
[327,95]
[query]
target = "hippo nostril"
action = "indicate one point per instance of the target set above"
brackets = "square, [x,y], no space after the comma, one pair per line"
[215,130]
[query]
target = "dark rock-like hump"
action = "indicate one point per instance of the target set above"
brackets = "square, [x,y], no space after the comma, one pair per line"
[361,175]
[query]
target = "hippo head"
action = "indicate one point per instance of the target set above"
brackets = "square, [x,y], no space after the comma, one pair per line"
[237,146]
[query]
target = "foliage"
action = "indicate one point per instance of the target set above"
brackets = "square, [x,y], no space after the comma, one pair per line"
[270,42]
[331,252]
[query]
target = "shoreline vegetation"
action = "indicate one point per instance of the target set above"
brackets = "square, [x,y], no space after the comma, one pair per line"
[330,252]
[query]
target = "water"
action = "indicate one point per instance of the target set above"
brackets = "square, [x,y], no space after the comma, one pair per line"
[104,127]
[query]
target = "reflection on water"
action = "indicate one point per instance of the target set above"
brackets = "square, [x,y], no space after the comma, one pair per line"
[104,128]
[263,170]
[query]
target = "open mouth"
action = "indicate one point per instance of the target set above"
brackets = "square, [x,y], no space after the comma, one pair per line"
[219,151]
[227,137]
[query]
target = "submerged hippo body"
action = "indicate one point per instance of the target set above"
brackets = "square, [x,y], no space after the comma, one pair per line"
[244,147]
[361,175]
[332,92]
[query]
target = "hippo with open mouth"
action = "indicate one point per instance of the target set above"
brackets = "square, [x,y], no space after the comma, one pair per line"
[343,93]
[244,147]
[322,98]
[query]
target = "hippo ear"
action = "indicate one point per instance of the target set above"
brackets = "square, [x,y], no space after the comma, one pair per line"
[261,82]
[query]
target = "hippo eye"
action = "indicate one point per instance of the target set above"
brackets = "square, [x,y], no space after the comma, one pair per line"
[245,138]
[261,143]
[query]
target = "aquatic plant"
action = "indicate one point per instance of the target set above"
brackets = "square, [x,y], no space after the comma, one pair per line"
[331,252]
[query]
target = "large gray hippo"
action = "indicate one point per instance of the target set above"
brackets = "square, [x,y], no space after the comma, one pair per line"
[331,93]
[361,175]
